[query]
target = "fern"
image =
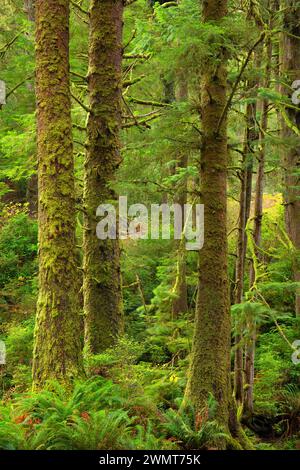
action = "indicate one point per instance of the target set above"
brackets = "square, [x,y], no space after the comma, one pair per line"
[290,406]
[88,431]
[195,430]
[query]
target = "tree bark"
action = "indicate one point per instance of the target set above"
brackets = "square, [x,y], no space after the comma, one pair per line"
[209,372]
[101,265]
[290,59]
[180,302]
[57,345]
[245,204]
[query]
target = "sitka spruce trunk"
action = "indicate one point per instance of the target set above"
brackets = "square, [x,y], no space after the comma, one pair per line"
[209,373]
[102,279]
[57,345]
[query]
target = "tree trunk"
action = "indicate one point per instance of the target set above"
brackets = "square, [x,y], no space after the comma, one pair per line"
[57,346]
[102,278]
[209,372]
[258,215]
[180,302]
[245,203]
[290,59]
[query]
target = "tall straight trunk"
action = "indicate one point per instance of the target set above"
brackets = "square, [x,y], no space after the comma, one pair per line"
[209,372]
[245,204]
[180,302]
[290,59]
[57,345]
[101,265]
[258,215]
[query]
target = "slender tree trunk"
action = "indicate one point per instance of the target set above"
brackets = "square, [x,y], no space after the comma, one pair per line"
[180,302]
[290,59]
[102,278]
[209,372]
[57,345]
[258,215]
[245,203]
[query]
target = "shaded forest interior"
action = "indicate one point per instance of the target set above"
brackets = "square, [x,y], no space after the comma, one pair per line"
[141,342]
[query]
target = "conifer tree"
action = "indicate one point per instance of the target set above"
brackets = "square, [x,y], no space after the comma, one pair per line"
[57,346]
[102,278]
[209,373]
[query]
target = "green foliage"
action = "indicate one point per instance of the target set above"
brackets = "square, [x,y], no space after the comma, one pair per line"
[90,431]
[274,367]
[11,435]
[18,245]
[289,400]
[18,338]
[18,264]
[90,416]
[123,402]
[195,430]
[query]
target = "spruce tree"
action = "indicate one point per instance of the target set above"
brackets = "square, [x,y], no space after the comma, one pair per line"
[209,373]
[57,345]
[102,278]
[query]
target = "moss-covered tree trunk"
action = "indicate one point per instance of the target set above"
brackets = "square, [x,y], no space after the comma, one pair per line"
[102,279]
[57,345]
[210,363]
[290,59]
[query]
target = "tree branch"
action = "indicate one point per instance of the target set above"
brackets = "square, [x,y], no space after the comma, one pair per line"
[18,85]
[143,122]
[86,108]
[234,88]
[79,8]
[149,103]
[128,83]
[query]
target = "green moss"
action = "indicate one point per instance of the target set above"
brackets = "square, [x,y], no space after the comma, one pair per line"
[210,365]
[102,279]
[57,345]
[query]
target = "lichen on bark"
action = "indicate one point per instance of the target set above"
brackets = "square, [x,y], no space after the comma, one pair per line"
[101,265]
[209,373]
[57,344]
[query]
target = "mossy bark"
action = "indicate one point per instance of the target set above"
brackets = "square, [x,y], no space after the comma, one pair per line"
[102,278]
[210,363]
[290,59]
[57,345]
